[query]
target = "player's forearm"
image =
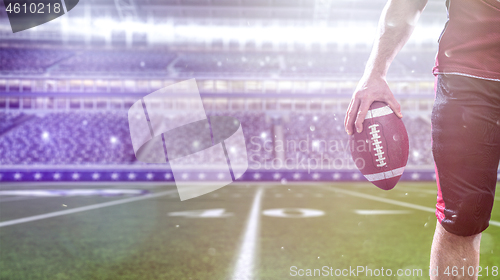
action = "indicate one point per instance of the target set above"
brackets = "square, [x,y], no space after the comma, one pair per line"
[396,24]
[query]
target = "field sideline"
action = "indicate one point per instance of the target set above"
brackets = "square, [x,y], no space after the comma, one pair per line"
[242,231]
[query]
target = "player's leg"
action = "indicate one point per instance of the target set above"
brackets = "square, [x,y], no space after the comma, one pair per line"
[466,149]
[450,252]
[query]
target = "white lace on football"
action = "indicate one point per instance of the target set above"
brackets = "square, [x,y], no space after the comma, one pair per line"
[374,132]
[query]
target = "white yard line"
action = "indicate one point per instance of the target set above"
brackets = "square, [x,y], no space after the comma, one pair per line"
[417,190]
[389,201]
[83,208]
[495,223]
[433,192]
[381,212]
[245,262]
[16,198]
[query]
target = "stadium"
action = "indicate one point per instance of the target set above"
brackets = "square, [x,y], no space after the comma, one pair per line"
[76,203]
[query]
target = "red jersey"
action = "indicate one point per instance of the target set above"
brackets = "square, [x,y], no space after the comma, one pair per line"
[470,42]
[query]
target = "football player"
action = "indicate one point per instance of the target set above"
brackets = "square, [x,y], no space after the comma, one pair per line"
[465,119]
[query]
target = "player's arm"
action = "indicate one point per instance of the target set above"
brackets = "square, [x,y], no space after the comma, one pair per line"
[396,24]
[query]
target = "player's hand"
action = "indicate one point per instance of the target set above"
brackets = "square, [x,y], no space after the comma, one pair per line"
[368,90]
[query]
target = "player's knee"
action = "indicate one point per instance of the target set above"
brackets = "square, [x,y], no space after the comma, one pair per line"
[469,217]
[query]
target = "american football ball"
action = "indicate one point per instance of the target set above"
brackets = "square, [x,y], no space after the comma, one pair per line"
[380,151]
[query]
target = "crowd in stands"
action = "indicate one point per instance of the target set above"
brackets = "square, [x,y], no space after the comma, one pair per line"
[257,132]
[68,138]
[228,63]
[115,63]
[332,63]
[419,130]
[8,120]
[316,136]
[191,64]
[322,137]
[97,138]
[29,61]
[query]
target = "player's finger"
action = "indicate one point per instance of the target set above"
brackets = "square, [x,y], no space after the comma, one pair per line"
[351,116]
[395,107]
[360,117]
[346,118]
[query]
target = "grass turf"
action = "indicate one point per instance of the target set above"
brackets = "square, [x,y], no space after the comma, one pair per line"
[139,240]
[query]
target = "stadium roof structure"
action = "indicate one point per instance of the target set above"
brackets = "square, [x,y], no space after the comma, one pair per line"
[254,9]
[158,22]
[211,39]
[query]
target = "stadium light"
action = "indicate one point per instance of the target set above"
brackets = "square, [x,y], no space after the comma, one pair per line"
[346,33]
[196,144]
[316,143]
[342,32]
[416,154]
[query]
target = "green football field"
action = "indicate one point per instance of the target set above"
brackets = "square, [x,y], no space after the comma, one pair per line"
[241,231]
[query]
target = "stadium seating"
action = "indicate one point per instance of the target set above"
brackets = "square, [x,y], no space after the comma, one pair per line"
[419,130]
[228,64]
[318,64]
[68,138]
[316,136]
[102,138]
[114,63]
[8,120]
[29,61]
[83,138]
[187,64]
